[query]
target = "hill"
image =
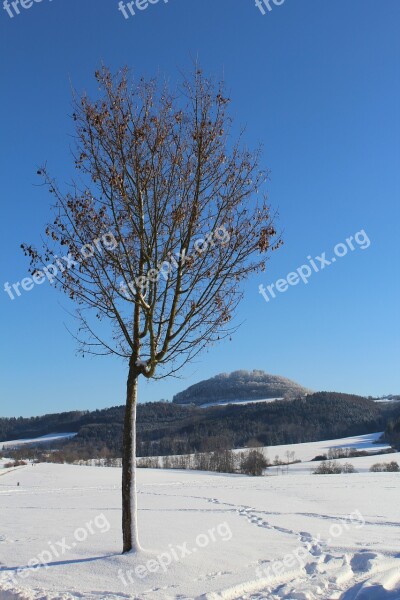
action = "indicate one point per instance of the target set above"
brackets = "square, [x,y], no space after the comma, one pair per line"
[240,385]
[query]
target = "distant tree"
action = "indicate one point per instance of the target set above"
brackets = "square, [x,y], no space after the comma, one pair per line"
[223,461]
[328,467]
[159,232]
[201,461]
[393,467]
[253,463]
[348,468]
[377,468]
[166,462]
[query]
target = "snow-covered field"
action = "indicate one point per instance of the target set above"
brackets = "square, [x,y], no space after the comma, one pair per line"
[210,536]
[44,439]
[306,453]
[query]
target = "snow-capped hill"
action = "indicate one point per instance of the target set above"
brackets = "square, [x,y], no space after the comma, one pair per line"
[240,386]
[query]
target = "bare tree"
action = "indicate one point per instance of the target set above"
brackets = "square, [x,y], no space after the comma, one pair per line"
[160,177]
[253,462]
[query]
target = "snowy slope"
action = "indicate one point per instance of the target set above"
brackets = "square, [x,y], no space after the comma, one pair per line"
[306,452]
[310,450]
[51,437]
[296,536]
[388,399]
[226,402]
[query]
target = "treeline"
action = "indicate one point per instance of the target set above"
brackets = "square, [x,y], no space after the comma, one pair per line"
[107,421]
[249,462]
[172,429]
[20,427]
[392,432]
[317,417]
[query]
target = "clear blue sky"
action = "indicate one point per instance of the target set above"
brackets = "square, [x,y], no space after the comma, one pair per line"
[317,82]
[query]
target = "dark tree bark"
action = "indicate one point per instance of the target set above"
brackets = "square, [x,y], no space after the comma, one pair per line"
[129,495]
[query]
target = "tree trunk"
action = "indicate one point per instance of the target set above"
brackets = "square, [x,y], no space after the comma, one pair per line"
[129,493]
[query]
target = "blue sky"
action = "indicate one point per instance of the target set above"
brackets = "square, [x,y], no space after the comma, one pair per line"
[317,83]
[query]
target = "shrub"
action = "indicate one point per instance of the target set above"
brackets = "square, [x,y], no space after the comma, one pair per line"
[253,463]
[392,467]
[15,463]
[348,468]
[328,467]
[320,457]
[223,461]
[148,462]
[338,453]
[377,468]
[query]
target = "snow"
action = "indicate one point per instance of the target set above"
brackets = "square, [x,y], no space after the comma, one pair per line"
[306,452]
[386,400]
[226,402]
[51,437]
[208,536]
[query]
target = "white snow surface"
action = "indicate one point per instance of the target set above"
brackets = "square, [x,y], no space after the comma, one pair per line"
[295,537]
[387,400]
[226,402]
[307,452]
[51,437]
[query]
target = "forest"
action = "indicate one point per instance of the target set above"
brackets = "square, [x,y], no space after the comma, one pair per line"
[166,428]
